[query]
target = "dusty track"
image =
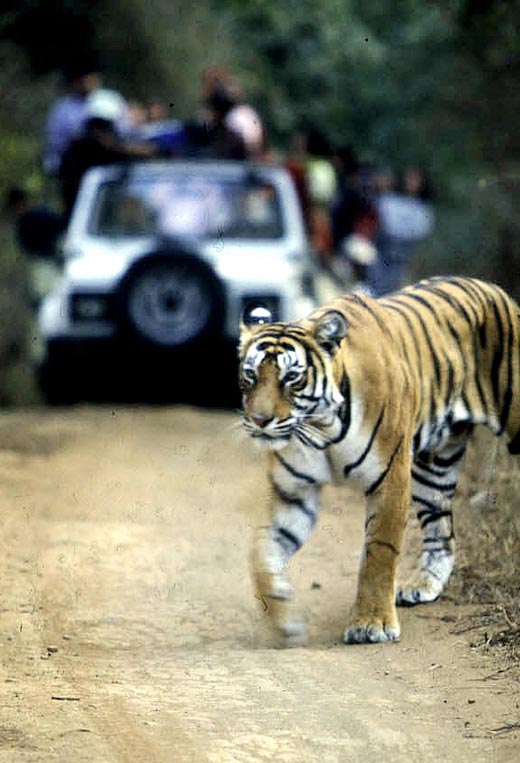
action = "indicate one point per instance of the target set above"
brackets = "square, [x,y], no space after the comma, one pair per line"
[125,537]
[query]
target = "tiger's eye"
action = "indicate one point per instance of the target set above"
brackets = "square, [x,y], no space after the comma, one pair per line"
[291,376]
[249,375]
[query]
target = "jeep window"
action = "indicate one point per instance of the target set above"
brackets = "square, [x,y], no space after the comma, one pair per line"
[187,204]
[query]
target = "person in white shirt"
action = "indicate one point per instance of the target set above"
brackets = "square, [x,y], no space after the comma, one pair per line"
[405,217]
[67,115]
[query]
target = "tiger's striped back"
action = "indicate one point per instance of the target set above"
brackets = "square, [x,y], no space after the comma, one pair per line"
[457,338]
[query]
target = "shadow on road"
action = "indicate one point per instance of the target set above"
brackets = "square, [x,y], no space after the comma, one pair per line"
[204,375]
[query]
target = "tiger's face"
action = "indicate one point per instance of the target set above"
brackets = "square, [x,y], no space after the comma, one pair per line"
[287,379]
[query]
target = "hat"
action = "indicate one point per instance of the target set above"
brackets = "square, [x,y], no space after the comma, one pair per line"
[106,104]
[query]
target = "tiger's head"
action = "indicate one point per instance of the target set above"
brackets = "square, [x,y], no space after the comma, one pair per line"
[289,377]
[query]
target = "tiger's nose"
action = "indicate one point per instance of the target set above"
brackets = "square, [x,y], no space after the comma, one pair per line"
[261,419]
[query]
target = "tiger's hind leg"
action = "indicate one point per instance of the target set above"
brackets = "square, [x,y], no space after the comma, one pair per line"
[434,479]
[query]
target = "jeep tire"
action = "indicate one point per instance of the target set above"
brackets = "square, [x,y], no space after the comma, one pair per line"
[171,298]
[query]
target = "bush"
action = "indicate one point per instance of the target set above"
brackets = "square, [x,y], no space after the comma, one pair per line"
[487,526]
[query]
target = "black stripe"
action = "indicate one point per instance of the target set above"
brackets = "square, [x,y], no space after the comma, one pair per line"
[513,445]
[417,439]
[285,497]
[443,538]
[315,362]
[470,287]
[433,410]
[450,386]
[427,468]
[453,331]
[294,332]
[481,289]
[465,402]
[304,408]
[483,336]
[498,354]
[311,378]
[287,535]
[385,544]
[465,287]
[369,519]
[432,517]
[266,344]
[421,300]
[464,284]
[388,304]
[449,460]
[435,359]
[288,345]
[373,487]
[276,332]
[382,325]
[293,471]
[508,393]
[434,485]
[346,408]
[403,314]
[348,468]
[355,316]
[474,325]
[404,350]
[453,303]
[478,384]
[433,549]
[307,440]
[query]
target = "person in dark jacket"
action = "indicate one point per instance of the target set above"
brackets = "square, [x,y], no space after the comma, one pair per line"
[98,146]
[37,227]
[221,141]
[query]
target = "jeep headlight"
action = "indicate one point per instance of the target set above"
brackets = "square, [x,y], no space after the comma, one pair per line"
[89,307]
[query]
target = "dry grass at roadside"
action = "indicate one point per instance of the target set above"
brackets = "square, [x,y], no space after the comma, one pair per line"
[487,528]
[17,385]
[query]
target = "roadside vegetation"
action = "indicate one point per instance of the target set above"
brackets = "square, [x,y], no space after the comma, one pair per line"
[487,530]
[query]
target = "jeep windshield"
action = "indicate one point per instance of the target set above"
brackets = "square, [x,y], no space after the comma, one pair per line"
[187,204]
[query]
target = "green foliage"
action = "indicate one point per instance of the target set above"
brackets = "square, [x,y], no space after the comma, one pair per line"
[403,81]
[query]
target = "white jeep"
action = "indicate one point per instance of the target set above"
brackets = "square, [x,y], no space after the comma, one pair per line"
[162,258]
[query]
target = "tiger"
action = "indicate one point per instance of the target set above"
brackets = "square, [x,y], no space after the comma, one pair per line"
[387,391]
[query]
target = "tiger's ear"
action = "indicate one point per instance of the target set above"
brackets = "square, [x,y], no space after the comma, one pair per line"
[329,330]
[253,316]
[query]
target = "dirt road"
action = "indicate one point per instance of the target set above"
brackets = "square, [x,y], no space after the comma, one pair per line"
[129,632]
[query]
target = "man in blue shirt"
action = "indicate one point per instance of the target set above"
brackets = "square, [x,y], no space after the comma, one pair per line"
[67,115]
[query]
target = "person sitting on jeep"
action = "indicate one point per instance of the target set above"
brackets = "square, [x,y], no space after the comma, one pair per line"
[99,145]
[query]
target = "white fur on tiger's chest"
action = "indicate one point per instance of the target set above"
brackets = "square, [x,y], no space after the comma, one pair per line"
[328,465]
[309,461]
[355,453]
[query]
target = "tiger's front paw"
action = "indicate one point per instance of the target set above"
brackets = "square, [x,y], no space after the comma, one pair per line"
[373,630]
[274,592]
[293,631]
